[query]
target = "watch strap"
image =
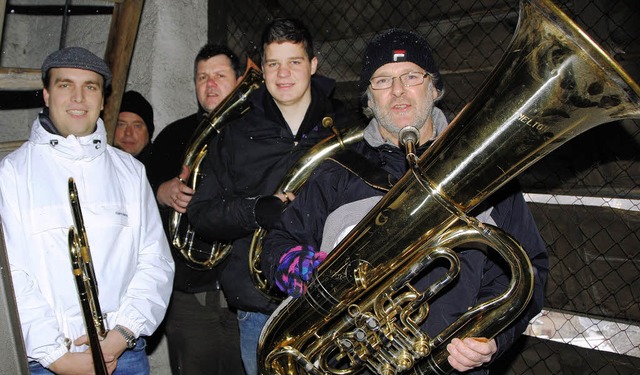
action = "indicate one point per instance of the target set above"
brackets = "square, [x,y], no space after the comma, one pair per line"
[129,338]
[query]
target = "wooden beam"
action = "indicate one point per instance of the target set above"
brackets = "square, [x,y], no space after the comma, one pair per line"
[3,7]
[20,79]
[122,37]
[10,146]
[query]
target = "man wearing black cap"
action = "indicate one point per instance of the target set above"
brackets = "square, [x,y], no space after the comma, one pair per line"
[401,83]
[134,129]
[130,255]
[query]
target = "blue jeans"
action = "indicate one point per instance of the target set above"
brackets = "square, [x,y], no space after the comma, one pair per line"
[131,362]
[251,324]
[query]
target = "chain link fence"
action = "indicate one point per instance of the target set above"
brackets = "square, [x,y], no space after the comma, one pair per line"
[584,196]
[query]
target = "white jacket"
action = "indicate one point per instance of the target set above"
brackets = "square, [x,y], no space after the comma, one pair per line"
[131,257]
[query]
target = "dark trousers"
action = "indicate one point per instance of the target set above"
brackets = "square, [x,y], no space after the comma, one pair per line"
[202,335]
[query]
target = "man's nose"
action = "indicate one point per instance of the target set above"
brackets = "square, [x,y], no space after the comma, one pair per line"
[78,95]
[212,81]
[397,87]
[283,71]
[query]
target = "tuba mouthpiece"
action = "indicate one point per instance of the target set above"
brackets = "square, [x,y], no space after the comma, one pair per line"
[408,137]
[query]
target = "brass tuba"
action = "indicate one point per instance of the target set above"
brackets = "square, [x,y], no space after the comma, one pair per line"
[86,282]
[361,310]
[296,176]
[232,107]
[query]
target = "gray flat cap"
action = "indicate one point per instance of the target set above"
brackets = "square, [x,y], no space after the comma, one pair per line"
[79,58]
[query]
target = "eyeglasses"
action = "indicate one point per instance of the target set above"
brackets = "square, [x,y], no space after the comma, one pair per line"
[407,79]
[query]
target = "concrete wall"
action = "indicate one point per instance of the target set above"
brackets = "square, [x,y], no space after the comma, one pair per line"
[170,34]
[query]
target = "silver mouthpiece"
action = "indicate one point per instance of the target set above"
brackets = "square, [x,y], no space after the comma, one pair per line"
[409,136]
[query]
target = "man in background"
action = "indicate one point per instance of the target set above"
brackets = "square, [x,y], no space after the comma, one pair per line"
[134,129]
[202,332]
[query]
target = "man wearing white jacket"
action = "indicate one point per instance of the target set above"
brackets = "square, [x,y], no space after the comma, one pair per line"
[131,258]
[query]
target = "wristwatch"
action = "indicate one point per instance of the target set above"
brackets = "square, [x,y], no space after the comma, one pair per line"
[129,338]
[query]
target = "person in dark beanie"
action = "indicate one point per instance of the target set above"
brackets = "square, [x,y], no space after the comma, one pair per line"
[135,127]
[400,84]
[130,255]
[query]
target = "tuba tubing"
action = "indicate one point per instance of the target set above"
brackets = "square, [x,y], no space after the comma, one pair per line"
[293,180]
[86,282]
[231,108]
[552,84]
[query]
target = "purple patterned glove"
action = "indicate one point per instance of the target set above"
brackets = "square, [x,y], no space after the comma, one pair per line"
[296,267]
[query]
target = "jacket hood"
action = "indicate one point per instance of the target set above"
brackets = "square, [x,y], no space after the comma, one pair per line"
[71,147]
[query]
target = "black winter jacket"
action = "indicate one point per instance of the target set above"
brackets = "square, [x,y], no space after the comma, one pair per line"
[331,186]
[245,164]
[165,163]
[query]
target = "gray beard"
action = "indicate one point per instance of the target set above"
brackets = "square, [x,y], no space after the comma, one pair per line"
[386,122]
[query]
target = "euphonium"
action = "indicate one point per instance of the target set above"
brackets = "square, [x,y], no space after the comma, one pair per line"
[86,282]
[296,176]
[232,107]
[361,310]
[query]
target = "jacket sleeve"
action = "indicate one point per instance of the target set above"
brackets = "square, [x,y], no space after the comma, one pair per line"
[145,301]
[43,338]
[215,212]
[302,223]
[513,216]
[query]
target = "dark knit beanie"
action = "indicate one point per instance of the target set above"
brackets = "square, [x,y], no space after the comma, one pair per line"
[133,101]
[397,45]
[79,58]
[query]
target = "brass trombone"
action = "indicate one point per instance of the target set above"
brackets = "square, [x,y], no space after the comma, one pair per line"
[86,283]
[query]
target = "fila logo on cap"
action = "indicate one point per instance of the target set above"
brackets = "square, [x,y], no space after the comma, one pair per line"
[399,55]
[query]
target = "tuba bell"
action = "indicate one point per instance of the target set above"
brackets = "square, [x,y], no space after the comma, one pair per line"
[232,107]
[361,311]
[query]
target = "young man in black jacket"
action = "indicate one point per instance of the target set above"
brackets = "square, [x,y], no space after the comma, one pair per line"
[401,83]
[248,159]
[202,332]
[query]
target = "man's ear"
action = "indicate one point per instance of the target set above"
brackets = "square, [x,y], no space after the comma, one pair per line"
[314,65]
[436,92]
[45,96]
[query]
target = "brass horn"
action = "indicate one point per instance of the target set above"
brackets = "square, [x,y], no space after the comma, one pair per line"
[86,282]
[232,107]
[360,309]
[296,176]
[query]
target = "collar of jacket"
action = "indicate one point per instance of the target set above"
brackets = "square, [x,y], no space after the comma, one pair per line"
[319,107]
[71,147]
[326,86]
